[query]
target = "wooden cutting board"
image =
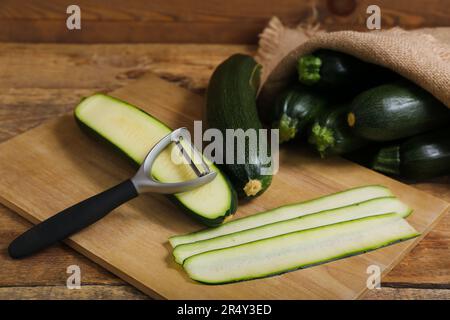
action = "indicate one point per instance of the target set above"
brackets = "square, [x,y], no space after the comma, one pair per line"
[55,165]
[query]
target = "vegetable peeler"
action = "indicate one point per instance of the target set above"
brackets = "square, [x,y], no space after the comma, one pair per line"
[79,216]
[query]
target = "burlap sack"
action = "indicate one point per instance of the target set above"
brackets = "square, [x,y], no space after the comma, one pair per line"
[422,56]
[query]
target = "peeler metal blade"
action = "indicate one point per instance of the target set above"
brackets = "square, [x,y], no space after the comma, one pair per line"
[143,180]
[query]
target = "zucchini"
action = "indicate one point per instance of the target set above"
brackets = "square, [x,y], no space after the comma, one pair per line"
[394,111]
[133,133]
[298,249]
[336,200]
[421,157]
[337,72]
[295,110]
[387,160]
[360,210]
[331,135]
[231,104]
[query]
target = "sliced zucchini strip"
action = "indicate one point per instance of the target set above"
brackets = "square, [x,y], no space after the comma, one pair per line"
[336,200]
[299,249]
[314,220]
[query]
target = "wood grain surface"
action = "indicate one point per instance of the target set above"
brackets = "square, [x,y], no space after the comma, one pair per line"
[199,21]
[60,163]
[30,94]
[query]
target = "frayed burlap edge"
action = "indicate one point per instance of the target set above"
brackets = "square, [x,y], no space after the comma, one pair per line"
[422,56]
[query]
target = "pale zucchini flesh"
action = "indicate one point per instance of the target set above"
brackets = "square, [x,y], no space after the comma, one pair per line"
[135,132]
[336,200]
[360,210]
[299,249]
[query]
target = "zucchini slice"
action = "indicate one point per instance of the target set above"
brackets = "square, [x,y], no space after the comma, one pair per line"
[352,212]
[336,200]
[134,132]
[299,249]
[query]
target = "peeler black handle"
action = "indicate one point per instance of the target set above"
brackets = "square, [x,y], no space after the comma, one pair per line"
[73,219]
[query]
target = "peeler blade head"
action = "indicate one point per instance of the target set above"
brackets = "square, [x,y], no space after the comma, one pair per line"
[144,181]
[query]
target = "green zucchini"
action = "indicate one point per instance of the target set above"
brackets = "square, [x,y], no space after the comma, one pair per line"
[336,200]
[231,104]
[337,72]
[360,210]
[394,111]
[387,160]
[331,135]
[295,110]
[133,133]
[298,249]
[421,157]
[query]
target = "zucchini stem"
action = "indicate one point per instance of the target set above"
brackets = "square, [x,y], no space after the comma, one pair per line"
[387,160]
[322,138]
[308,68]
[287,127]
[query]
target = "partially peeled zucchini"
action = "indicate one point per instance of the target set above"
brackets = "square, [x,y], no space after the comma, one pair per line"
[133,133]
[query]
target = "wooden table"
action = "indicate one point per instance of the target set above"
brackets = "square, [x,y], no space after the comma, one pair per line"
[41,81]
